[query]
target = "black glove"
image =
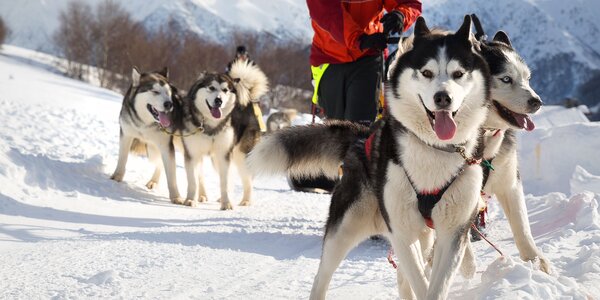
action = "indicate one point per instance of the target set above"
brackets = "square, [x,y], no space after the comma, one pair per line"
[376,41]
[393,22]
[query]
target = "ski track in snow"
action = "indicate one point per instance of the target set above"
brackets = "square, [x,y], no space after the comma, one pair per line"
[67,231]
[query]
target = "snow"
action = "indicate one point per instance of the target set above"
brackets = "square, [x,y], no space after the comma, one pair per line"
[68,231]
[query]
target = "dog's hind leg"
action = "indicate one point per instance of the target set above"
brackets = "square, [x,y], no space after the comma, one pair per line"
[124,146]
[239,158]
[154,157]
[339,240]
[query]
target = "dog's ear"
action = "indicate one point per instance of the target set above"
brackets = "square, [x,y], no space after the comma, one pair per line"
[236,80]
[164,72]
[201,75]
[421,28]
[135,76]
[479,33]
[501,36]
[464,32]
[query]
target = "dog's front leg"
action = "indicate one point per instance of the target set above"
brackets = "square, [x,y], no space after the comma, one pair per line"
[223,167]
[154,156]
[447,256]
[410,267]
[124,146]
[513,203]
[168,156]
[191,169]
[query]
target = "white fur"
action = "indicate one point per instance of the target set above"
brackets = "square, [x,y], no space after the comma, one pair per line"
[159,144]
[221,147]
[253,83]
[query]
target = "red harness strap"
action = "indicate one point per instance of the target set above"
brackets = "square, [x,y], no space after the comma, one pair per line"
[369,145]
[420,197]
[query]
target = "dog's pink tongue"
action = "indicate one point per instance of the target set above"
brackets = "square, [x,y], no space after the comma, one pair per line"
[524,121]
[164,119]
[444,127]
[215,112]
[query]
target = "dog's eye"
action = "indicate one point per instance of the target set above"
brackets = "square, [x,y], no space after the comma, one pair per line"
[155,92]
[506,79]
[212,88]
[427,74]
[225,90]
[457,74]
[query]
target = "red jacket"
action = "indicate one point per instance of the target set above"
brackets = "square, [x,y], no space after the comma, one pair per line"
[339,24]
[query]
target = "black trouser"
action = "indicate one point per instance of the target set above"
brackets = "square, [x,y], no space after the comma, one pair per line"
[350,91]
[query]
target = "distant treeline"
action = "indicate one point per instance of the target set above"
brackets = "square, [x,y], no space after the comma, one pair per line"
[4,31]
[106,37]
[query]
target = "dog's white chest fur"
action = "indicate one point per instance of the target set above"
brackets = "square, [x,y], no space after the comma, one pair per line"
[205,144]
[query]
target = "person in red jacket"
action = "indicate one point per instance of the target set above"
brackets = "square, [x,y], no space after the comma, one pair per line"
[346,52]
[346,60]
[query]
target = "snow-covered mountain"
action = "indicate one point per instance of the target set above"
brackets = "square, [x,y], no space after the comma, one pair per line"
[559,39]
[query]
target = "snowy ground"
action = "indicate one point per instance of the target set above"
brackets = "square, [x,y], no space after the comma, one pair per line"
[67,231]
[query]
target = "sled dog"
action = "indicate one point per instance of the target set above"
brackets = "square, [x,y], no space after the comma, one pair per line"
[416,169]
[150,106]
[513,101]
[219,122]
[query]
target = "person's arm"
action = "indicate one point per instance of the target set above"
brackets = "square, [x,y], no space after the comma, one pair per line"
[330,16]
[411,9]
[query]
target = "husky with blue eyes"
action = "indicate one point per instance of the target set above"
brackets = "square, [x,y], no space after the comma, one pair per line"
[219,121]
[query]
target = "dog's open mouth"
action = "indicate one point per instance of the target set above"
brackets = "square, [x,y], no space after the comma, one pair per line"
[522,121]
[442,122]
[214,111]
[159,116]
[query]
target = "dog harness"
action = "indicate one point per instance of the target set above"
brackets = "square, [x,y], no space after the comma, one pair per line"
[427,200]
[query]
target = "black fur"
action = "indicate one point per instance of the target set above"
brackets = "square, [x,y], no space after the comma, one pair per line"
[426,47]
[344,132]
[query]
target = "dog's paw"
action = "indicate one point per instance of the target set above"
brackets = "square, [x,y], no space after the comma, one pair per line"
[191,203]
[117,177]
[202,199]
[245,202]
[226,205]
[151,184]
[177,200]
[545,265]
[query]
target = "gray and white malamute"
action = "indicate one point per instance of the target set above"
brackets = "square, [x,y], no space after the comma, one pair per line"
[219,122]
[150,106]
[513,101]
[416,169]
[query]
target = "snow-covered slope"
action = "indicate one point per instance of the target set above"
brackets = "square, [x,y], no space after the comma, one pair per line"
[67,231]
[560,39]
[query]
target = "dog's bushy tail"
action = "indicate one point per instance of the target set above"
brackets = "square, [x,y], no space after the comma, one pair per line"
[251,83]
[305,151]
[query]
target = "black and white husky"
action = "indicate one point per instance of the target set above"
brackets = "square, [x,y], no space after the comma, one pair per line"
[513,101]
[150,106]
[424,151]
[219,122]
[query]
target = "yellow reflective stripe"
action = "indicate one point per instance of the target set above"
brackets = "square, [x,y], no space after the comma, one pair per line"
[259,116]
[317,74]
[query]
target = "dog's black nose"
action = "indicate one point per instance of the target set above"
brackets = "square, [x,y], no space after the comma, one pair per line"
[535,103]
[218,102]
[442,100]
[168,105]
